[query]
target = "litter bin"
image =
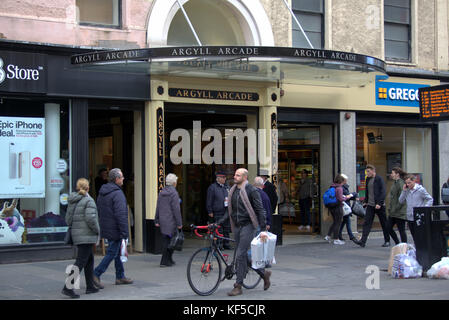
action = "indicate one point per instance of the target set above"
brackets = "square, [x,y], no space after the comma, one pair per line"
[430,236]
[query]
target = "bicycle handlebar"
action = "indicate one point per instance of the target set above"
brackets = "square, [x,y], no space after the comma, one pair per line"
[210,228]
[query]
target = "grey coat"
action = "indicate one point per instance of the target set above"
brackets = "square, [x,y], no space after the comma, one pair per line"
[168,211]
[395,208]
[83,218]
[417,197]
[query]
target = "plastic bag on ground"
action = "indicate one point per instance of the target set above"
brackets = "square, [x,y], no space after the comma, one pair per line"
[439,270]
[405,267]
[400,248]
[262,250]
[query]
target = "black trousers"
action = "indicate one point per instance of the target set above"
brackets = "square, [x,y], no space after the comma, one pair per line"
[401,227]
[337,215]
[166,252]
[369,218]
[85,260]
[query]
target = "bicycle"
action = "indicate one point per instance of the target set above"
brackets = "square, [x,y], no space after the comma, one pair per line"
[205,270]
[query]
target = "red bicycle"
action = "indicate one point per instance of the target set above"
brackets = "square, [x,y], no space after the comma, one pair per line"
[205,270]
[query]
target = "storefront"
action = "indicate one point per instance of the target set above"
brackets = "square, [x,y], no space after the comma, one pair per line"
[50,115]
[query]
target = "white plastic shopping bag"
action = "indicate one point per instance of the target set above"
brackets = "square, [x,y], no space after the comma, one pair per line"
[124,251]
[262,250]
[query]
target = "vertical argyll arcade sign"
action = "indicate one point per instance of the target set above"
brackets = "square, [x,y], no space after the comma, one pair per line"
[160,149]
[23,72]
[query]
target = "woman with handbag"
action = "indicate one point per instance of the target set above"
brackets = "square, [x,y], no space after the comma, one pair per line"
[82,219]
[168,217]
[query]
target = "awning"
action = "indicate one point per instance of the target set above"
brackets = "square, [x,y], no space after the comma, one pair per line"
[261,64]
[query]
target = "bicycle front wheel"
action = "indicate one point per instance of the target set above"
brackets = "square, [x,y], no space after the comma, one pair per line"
[204,272]
[252,279]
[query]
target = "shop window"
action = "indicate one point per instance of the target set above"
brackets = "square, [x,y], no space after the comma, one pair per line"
[35,174]
[310,14]
[388,147]
[104,13]
[397,30]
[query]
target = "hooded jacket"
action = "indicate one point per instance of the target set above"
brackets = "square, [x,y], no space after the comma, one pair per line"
[113,212]
[168,211]
[417,197]
[395,208]
[83,218]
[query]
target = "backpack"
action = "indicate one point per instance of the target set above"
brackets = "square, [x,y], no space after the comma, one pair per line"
[330,198]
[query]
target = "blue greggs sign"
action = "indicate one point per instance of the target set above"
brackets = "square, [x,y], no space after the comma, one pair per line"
[397,94]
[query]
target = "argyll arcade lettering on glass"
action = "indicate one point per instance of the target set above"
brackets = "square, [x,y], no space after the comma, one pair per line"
[212,94]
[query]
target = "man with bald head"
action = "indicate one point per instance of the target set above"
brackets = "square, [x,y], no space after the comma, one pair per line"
[247,217]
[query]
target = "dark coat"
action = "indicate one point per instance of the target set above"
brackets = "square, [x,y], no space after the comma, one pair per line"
[266,205]
[113,212]
[83,218]
[270,190]
[379,190]
[168,211]
[216,195]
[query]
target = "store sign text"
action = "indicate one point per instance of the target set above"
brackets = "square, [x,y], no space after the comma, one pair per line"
[398,94]
[213,95]
[15,72]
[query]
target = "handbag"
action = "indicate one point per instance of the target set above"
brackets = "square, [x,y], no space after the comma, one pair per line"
[445,195]
[177,241]
[68,237]
[358,209]
[346,209]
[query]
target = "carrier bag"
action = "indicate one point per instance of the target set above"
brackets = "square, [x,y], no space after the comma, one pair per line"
[262,250]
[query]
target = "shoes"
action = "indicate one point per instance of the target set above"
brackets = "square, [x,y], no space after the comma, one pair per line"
[307,228]
[70,293]
[327,238]
[339,242]
[386,244]
[123,281]
[236,291]
[165,265]
[266,280]
[98,283]
[300,228]
[341,238]
[92,290]
[358,242]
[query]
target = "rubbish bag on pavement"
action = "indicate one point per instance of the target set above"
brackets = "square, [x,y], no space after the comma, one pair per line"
[439,270]
[405,266]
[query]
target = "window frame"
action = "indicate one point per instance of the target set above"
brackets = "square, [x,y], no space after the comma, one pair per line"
[409,34]
[110,26]
[311,13]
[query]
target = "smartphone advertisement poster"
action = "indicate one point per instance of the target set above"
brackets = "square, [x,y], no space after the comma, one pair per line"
[22,141]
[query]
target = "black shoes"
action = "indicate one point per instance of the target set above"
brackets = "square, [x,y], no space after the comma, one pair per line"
[386,244]
[70,293]
[358,242]
[92,290]
[97,282]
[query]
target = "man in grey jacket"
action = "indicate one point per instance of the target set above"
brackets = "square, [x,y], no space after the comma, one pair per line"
[416,196]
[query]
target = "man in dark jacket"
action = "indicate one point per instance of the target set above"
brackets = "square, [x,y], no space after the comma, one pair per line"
[113,214]
[269,189]
[247,217]
[375,204]
[217,203]
[258,183]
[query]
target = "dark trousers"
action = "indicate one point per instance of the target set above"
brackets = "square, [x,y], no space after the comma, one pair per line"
[304,206]
[85,260]
[369,218]
[347,222]
[337,215]
[412,227]
[243,237]
[401,227]
[166,252]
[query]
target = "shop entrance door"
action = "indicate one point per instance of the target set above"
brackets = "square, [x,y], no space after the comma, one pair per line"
[194,178]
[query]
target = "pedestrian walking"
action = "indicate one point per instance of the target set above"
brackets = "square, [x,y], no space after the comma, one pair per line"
[375,205]
[445,192]
[337,211]
[113,214]
[269,189]
[247,217]
[100,180]
[217,204]
[168,217]
[347,218]
[258,183]
[305,193]
[416,196]
[82,218]
[397,214]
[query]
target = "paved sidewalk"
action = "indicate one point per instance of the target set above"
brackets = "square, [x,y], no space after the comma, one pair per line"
[311,269]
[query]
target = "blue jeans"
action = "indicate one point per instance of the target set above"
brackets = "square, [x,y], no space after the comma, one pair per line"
[113,253]
[347,222]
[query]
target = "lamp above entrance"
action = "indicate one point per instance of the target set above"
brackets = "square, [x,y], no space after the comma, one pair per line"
[249,63]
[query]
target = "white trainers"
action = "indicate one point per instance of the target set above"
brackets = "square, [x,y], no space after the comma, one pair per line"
[300,228]
[339,242]
[307,228]
[327,238]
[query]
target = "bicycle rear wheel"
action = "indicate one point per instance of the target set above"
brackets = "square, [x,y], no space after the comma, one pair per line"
[252,279]
[204,272]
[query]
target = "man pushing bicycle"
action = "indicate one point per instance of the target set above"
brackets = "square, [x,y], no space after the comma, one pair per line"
[247,217]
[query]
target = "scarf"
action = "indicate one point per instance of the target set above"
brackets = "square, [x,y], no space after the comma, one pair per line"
[246,203]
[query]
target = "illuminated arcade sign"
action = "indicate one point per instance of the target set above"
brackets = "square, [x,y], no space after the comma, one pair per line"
[397,94]
[434,103]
